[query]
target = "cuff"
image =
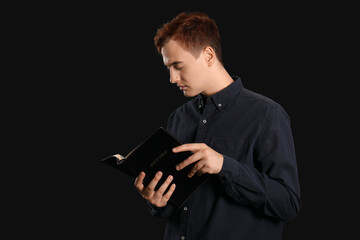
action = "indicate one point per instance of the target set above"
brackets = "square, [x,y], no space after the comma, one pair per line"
[228,167]
[163,212]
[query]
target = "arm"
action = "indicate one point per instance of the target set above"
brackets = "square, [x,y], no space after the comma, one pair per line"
[272,187]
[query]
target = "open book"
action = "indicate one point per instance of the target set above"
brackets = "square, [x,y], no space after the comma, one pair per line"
[155,154]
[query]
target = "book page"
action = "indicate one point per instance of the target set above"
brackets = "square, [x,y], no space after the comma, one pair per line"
[120,158]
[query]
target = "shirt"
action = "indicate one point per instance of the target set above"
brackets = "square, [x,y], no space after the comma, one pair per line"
[257,189]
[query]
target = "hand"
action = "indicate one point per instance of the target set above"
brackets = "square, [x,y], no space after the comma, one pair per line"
[208,160]
[156,198]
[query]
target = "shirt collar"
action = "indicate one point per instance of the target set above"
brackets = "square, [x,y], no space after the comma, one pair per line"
[220,99]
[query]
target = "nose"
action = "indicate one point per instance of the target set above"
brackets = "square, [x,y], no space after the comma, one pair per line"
[174,76]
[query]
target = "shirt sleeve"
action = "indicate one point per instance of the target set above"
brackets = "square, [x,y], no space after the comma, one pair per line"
[271,186]
[162,212]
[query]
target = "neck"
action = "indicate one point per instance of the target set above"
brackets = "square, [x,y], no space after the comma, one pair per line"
[217,81]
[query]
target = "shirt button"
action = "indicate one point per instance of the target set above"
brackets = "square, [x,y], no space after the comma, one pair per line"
[200,106]
[185,208]
[182,238]
[219,105]
[204,121]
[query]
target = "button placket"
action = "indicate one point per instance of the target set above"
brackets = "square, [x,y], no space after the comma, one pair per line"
[208,110]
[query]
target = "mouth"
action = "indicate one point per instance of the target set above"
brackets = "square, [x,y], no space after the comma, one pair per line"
[182,87]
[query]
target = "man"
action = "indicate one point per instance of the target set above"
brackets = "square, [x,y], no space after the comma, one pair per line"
[241,138]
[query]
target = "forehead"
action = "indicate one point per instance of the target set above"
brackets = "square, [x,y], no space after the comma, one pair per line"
[172,51]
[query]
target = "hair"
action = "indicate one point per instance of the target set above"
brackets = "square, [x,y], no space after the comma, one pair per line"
[193,30]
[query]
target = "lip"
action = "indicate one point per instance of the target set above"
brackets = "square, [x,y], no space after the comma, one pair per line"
[182,87]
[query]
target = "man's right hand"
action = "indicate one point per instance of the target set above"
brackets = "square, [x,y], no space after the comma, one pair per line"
[156,198]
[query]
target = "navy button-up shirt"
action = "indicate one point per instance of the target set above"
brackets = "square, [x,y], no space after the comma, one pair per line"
[257,188]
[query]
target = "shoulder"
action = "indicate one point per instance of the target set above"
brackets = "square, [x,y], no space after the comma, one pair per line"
[185,107]
[262,105]
[259,100]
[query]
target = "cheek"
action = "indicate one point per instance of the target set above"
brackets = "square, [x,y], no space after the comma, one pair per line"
[191,74]
[185,75]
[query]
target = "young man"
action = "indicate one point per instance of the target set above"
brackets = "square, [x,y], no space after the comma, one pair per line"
[243,138]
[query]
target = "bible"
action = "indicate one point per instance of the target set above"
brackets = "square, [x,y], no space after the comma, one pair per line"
[155,154]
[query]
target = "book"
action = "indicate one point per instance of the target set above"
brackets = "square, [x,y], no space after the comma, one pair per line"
[155,154]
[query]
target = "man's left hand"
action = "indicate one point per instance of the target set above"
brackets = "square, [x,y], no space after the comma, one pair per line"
[208,160]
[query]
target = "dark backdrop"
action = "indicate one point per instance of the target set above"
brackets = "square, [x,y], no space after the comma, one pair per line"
[96,86]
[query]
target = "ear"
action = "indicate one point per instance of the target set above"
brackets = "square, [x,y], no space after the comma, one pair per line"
[209,55]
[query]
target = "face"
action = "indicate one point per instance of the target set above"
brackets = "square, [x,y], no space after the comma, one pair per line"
[186,71]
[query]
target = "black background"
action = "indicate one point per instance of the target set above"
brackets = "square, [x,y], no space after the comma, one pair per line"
[92,84]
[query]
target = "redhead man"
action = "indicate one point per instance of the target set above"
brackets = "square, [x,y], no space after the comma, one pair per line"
[241,138]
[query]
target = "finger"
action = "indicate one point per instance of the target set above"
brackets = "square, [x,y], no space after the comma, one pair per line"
[164,186]
[151,186]
[201,172]
[197,167]
[139,182]
[193,147]
[169,193]
[193,158]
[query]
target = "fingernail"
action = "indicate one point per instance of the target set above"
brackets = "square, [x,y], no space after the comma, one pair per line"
[177,167]
[170,177]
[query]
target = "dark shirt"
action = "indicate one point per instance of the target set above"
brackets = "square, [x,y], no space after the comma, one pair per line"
[257,189]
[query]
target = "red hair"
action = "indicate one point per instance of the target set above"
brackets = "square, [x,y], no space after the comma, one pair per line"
[194,31]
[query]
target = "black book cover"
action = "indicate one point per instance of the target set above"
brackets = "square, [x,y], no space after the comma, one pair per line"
[155,154]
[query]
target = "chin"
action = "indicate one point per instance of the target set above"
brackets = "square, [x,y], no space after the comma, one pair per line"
[189,94]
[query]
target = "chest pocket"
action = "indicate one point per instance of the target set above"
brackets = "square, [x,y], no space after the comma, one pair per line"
[233,148]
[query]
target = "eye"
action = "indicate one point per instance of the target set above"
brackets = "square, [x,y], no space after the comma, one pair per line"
[176,67]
